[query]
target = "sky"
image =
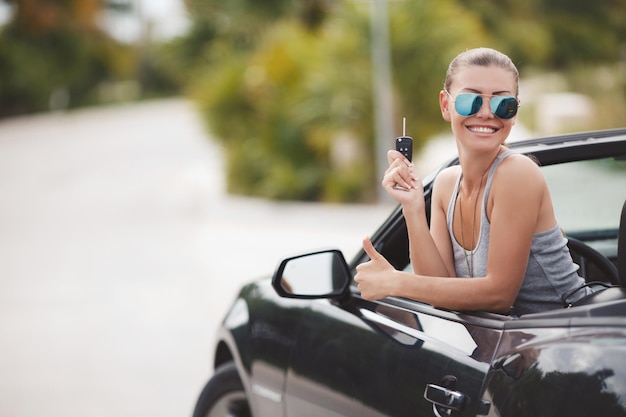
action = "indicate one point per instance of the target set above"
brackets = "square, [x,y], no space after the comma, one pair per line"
[167,16]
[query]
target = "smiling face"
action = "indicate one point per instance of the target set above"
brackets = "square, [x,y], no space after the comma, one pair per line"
[482,128]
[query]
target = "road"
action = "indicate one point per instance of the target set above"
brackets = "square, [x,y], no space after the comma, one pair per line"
[119,253]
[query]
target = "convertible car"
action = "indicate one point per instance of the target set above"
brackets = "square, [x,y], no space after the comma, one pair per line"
[304,343]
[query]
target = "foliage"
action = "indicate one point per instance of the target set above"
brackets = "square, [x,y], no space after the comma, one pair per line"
[555,34]
[286,85]
[53,55]
[34,68]
[291,100]
[281,110]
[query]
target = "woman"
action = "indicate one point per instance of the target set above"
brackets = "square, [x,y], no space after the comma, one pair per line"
[491,216]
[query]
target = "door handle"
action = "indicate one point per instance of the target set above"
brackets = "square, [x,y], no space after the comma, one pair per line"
[444,397]
[445,400]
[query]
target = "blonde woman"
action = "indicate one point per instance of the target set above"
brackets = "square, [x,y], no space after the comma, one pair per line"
[492,218]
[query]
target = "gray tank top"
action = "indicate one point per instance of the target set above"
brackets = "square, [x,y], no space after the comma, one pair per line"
[550,273]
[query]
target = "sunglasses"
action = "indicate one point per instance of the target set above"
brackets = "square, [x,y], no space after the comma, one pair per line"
[467,104]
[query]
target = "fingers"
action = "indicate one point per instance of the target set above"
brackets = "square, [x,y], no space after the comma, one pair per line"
[370,250]
[393,155]
[360,277]
[400,174]
[371,275]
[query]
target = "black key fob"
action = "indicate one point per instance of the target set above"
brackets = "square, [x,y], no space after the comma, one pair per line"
[404,145]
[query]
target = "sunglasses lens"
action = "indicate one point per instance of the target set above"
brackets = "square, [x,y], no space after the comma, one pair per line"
[467,104]
[504,107]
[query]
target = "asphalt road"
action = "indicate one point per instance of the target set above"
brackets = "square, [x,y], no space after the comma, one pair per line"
[120,252]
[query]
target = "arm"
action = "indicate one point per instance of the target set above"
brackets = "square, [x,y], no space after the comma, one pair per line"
[429,249]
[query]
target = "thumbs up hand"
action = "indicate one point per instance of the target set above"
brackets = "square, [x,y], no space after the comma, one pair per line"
[374,277]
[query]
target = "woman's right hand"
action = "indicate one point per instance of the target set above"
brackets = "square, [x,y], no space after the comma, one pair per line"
[402,182]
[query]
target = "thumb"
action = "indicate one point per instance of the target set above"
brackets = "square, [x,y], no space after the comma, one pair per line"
[368,247]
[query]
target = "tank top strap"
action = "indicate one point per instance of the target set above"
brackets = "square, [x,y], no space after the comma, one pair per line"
[452,202]
[492,171]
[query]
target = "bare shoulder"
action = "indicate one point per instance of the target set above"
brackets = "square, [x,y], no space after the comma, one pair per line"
[444,183]
[519,172]
[520,192]
[447,177]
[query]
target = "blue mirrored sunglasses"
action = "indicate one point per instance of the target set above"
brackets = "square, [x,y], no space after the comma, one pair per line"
[467,104]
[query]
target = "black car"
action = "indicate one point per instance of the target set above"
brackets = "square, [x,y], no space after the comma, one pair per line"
[304,343]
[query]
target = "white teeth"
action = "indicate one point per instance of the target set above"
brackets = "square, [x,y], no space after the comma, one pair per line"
[482,129]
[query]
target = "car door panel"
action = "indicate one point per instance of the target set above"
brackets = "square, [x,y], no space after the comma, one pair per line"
[376,359]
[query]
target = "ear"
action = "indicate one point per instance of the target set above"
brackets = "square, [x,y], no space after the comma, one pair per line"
[445,103]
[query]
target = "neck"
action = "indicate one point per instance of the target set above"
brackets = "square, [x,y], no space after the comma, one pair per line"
[474,167]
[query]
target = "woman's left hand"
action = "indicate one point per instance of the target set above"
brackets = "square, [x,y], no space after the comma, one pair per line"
[374,277]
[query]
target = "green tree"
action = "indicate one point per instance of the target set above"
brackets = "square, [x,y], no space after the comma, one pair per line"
[555,34]
[289,96]
[281,110]
[54,54]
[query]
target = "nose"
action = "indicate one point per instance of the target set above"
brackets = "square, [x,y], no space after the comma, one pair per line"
[485,109]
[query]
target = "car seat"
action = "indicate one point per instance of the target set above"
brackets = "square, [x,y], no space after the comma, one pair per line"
[616,292]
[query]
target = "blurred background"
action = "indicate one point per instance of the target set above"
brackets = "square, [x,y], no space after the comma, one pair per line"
[156,154]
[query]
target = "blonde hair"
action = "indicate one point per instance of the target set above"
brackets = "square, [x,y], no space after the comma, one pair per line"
[483,57]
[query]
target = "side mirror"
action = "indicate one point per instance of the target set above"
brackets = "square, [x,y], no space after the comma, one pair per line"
[323,274]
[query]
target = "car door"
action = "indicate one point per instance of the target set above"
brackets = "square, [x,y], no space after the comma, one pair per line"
[384,358]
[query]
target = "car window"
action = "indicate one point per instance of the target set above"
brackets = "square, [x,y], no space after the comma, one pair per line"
[587,195]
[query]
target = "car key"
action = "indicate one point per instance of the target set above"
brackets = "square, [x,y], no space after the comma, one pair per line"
[404,144]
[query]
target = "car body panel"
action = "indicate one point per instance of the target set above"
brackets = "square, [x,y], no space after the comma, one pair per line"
[560,371]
